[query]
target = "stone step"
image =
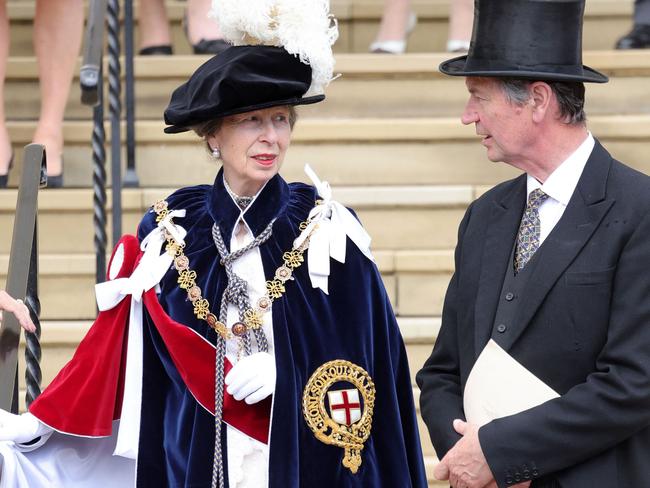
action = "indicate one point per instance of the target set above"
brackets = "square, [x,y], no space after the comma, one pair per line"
[369,86]
[66,215]
[605,21]
[345,151]
[415,281]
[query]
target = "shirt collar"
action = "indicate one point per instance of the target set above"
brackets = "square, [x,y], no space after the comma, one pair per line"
[562,182]
[267,204]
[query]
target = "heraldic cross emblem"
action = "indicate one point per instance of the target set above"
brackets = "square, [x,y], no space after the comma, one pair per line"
[345,407]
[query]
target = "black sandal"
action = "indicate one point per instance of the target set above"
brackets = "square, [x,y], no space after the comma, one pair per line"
[160,50]
[204,46]
[4,179]
[56,181]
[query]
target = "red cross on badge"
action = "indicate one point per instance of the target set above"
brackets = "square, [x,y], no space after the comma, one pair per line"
[345,407]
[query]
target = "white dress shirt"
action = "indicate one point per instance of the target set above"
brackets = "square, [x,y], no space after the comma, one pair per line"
[559,186]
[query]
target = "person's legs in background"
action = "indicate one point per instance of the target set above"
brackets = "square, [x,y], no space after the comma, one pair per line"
[202,31]
[5,143]
[461,19]
[396,22]
[639,36]
[58,26]
[153,26]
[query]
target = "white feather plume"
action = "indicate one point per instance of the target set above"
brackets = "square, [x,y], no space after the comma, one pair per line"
[304,28]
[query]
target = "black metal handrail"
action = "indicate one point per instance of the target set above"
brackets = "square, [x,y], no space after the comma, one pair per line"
[92,87]
[22,281]
[107,12]
[130,177]
[115,113]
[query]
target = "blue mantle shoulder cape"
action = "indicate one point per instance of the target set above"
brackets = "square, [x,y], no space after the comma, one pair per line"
[355,322]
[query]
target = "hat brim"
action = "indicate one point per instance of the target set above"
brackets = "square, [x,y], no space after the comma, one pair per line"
[456,67]
[176,129]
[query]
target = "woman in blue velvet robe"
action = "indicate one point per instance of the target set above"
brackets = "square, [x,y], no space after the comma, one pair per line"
[352,322]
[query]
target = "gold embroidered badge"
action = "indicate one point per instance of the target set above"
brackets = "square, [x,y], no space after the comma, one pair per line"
[348,422]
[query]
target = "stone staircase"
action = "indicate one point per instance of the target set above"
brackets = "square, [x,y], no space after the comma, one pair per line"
[388,139]
[605,21]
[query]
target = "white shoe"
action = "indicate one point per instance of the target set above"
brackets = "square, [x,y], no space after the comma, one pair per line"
[395,46]
[456,46]
[388,47]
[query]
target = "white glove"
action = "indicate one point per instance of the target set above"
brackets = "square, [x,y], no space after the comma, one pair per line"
[21,428]
[252,378]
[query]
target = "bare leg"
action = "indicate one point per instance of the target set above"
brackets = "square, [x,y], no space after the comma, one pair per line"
[199,25]
[461,19]
[153,24]
[57,38]
[394,20]
[5,143]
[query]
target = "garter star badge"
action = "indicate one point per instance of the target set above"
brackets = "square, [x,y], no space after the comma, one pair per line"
[347,419]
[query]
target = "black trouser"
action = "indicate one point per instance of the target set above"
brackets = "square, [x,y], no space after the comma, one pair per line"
[642,12]
[546,482]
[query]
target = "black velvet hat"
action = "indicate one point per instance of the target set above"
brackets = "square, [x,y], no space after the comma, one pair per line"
[239,79]
[529,39]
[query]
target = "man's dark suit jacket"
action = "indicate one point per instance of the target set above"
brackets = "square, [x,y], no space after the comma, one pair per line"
[584,329]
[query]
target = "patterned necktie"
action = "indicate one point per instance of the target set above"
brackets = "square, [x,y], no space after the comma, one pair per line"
[529,230]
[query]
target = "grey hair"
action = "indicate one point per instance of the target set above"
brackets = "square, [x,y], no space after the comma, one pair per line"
[570,97]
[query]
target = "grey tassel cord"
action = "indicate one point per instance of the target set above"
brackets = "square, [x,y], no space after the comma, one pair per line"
[236,292]
[217,462]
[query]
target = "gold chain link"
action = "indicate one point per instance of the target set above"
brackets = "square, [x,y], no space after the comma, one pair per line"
[253,317]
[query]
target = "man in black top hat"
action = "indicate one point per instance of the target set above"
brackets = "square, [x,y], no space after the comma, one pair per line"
[551,266]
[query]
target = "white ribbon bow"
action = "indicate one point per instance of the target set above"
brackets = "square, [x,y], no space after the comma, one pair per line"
[152,267]
[150,270]
[331,224]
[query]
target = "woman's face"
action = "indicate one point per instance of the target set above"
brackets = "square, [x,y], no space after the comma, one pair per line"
[252,146]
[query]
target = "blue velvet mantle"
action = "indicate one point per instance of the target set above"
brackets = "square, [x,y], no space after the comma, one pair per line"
[354,322]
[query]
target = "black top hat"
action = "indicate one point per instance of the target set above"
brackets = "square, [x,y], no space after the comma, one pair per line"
[529,39]
[239,79]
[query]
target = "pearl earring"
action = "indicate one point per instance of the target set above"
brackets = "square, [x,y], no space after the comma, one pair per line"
[216,153]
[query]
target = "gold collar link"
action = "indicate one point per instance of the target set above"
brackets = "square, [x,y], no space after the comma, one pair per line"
[253,317]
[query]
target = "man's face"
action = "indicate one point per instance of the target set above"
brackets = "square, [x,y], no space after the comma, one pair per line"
[504,125]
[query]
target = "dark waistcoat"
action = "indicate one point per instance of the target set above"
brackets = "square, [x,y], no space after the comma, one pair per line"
[512,294]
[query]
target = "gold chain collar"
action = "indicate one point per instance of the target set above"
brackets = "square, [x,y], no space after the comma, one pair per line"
[252,317]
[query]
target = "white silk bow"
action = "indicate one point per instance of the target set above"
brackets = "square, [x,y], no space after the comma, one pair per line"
[152,267]
[150,270]
[331,224]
